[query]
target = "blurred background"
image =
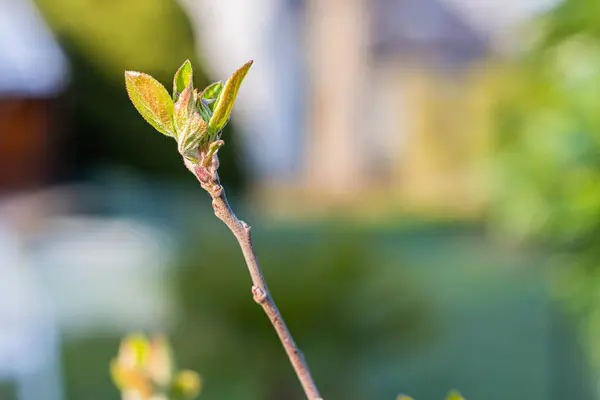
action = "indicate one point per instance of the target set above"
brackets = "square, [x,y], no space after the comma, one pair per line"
[422,176]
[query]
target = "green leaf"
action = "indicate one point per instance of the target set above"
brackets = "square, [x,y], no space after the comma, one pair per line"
[453,395]
[152,101]
[182,78]
[211,94]
[204,109]
[224,103]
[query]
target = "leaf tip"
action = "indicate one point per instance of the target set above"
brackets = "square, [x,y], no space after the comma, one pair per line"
[131,74]
[247,65]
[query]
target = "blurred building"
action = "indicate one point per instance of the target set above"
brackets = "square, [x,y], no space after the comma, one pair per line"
[350,102]
[33,72]
[397,115]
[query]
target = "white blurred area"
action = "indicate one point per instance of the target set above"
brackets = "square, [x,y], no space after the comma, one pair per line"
[64,276]
[31,62]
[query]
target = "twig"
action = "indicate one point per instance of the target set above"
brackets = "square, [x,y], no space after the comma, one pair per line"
[260,291]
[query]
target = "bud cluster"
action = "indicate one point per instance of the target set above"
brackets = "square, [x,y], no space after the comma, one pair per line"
[145,370]
[194,119]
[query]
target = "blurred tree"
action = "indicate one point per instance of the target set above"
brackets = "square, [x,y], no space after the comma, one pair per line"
[547,169]
[103,39]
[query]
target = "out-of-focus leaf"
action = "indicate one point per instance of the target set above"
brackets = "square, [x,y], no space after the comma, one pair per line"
[187,385]
[403,397]
[160,362]
[152,101]
[127,370]
[454,395]
[134,351]
[226,99]
[182,79]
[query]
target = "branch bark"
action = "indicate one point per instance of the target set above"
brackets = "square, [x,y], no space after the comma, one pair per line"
[260,291]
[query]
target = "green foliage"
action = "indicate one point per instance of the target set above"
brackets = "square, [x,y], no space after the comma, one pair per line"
[145,370]
[548,147]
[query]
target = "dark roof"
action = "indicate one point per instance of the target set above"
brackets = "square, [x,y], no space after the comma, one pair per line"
[426,28]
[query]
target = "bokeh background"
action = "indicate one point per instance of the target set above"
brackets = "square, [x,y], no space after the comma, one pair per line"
[422,177]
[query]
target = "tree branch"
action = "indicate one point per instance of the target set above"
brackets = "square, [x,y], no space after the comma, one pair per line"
[260,291]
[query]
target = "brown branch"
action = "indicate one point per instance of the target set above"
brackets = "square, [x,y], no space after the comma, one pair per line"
[260,291]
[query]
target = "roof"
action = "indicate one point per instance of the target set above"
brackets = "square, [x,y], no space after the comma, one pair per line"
[497,19]
[425,27]
[31,60]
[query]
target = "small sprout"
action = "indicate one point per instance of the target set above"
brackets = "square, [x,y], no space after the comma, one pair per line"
[194,119]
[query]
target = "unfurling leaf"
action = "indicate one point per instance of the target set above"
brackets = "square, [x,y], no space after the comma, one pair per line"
[189,125]
[211,93]
[184,109]
[152,101]
[204,110]
[189,141]
[182,79]
[224,103]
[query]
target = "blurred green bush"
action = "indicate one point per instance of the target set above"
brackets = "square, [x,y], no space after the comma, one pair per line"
[547,168]
[322,281]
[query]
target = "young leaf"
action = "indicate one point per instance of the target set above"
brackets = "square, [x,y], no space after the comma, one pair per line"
[224,102]
[182,78]
[152,101]
[204,109]
[211,93]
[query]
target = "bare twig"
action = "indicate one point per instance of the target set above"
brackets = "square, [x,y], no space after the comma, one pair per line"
[260,291]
